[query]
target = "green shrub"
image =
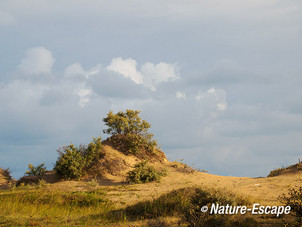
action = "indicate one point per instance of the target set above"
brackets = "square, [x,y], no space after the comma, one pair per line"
[186,204]
[93,152]
[36,170]
[294,200]
[128,122]
[73,161]
[129,133]
[144,173]
[132,144]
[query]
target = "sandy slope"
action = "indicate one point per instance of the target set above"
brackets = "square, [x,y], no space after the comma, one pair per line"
[259,190]
[110,172]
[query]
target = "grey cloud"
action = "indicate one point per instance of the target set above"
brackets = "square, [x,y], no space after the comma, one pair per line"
[114,85]
[251,50]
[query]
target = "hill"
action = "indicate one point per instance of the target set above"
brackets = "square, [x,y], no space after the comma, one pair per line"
[104,198]
[292,169]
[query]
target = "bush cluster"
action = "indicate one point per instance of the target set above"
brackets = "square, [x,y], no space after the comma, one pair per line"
[144,173]
[288,169]
[294,200]
[6,173]
[74,161]
[129,133]
[132,144]
[39,170]
[186,203]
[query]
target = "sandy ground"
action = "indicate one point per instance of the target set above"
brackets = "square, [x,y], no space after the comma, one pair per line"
[260,190]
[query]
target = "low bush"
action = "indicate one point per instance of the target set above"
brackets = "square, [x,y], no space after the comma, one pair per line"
[132,144]
[39,170]
[294,200]
[6,174]
[144,173]
[285,170]
[73,162]
[186,203]
[276,172]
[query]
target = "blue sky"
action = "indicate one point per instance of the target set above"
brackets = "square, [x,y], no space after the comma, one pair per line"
[220,81]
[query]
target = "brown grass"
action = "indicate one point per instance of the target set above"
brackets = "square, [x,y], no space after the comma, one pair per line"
[109,175]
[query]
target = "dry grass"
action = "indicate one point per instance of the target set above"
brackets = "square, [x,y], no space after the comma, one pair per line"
[108,183]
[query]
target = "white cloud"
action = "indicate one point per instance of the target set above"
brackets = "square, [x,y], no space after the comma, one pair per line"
[180,95]
[37,60]
[155,74]
[76,69]
[211,91]
[213,96]
[222,106]
[150,74]
[127,68]
[83,94]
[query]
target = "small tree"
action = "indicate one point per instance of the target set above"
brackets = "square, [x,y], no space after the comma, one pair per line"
[129,132]
[124,123]
[36,170]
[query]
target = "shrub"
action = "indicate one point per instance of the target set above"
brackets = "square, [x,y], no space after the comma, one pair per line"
[132,144]
[289,169]
[6,173]
[70,162]
[73,162]
[36,171]
[129,133]
[186,204]
[93,152]
[128,122]
[144,173]
[276,172]
[294,200]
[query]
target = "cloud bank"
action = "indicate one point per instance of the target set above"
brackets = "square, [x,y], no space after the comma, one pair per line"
[219,81]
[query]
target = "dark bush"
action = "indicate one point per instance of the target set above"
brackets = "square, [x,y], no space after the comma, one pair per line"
[294,200]
[144,173]
[186,204]
[129,133]
[132,144]
[73,161]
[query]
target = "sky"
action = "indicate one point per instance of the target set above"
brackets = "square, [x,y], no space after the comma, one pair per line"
[219,81]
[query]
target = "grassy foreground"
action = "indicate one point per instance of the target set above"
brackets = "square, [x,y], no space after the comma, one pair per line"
[39,205]
[86,204]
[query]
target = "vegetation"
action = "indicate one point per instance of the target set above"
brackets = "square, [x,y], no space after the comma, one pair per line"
[36,170]
[294,200]
[144,173]
[124,123]
[73,161]
[39,206]
[187,203]
[289,169]
[129,133]
[6,173]
[87,202]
